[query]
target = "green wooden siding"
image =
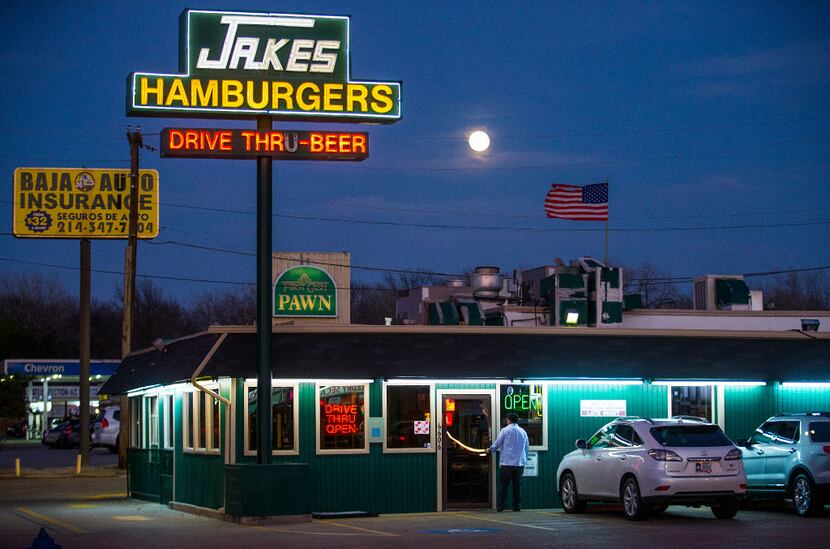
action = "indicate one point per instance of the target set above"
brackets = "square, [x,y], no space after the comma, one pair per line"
[403,482]
[747,407]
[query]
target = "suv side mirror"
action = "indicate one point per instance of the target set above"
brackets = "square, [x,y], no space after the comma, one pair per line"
[744,442]
[581,444]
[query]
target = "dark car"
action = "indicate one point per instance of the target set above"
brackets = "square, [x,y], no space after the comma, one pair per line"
[65,435]
[17,430]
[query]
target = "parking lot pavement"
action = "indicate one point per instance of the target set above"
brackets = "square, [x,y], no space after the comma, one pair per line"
[96,513]
[35,455]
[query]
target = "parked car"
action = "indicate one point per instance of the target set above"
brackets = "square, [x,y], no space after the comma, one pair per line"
[18,429]
[648,465]
[64,435]
[788,456]
[105,428]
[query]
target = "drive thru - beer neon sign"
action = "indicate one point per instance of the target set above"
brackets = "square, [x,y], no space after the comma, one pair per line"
[248,144]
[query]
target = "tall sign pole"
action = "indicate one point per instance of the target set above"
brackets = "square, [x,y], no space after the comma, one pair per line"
[134,138]
[84,336]
[263,66]
[263,297]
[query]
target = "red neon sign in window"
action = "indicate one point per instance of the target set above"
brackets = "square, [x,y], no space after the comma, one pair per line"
[341,419]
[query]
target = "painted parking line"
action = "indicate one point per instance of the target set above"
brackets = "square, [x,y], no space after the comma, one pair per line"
[369,530]
[113,495]
[510,523]
[83,506]
[131,518]
[47,521]
[306,532]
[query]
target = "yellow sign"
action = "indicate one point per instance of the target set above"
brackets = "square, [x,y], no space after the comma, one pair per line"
[83,203]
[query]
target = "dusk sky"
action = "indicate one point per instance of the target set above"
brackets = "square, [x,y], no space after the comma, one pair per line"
[709,120]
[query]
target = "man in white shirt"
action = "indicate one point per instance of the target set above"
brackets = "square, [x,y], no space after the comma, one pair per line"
[514,448]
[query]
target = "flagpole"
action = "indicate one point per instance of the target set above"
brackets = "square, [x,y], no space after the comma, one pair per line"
[606,233]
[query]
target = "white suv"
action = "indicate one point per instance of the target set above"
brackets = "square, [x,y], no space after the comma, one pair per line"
[648,465]
[106,427]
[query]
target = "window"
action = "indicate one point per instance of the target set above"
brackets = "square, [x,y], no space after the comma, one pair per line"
[602,438]
[691,400]
[341,419]
[215,416]
[526,401]
[408,416]
[168,421]
[788,432]
[764,434]
[284,416]
[135,422]
[187,420]
[201,414]
[151,411]
[625,437]
[689,436]
[820,431]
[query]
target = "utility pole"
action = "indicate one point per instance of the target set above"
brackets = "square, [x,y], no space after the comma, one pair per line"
[134,138]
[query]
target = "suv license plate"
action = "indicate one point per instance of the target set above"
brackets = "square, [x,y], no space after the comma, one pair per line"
[704,467]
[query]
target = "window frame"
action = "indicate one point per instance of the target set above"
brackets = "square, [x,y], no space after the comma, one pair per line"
[150,409]
[197,445]
[168,438]
[366,415]
[134,404]
[533,448]
[282,383]
[385,415]
[713,405]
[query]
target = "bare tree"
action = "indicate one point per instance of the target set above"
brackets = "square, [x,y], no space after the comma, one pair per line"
[370,304]
[797,291]
[225,307]
[655,287]
[38,318]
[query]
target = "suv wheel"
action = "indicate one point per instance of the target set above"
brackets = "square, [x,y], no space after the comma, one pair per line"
[632,502]
[805,500]
[726,509]
[569,495]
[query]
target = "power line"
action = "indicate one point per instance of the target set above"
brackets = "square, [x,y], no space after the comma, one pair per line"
[500,228]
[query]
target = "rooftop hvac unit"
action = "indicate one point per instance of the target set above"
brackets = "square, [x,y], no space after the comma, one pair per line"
[721,293]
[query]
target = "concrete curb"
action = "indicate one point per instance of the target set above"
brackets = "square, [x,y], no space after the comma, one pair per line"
[219,514]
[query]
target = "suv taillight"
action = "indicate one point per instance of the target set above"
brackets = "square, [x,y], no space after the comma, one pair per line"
[104,423]
[826,449]
[734,453]
[68,430]
[664,455]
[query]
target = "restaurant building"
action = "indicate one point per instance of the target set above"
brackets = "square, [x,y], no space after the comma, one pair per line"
[393,419]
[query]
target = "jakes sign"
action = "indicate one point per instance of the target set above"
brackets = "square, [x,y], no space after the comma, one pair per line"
[241,64]
[305,291]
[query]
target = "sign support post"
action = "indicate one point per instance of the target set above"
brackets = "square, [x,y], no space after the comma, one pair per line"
[83,376]
[263,298]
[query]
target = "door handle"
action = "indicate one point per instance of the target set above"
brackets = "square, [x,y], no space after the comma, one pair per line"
[599,458]
[760,452]
[623,457]
[792,450]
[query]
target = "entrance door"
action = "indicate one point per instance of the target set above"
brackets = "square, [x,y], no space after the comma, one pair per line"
[465,468]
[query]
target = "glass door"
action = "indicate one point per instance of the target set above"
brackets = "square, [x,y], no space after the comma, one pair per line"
[465,437]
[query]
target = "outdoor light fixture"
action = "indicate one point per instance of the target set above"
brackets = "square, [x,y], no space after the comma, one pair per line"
[479,141]
[572,318]
[810,324]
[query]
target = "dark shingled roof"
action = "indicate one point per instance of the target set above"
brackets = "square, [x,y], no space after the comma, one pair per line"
[153,367]
[487,353]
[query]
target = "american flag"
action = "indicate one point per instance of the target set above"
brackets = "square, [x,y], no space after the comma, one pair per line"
[588,203]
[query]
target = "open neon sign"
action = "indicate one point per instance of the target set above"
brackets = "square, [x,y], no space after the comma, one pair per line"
[341,419]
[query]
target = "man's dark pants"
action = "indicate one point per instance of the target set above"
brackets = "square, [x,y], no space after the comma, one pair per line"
[511,474]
